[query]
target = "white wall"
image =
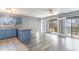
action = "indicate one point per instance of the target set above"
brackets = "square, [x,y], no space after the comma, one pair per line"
[33,23]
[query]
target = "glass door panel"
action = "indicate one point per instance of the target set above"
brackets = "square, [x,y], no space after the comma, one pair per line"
[53,27]
[75,27]
[61,26]
[68,26]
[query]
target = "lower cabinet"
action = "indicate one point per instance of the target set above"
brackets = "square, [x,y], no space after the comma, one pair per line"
[6,33]
[24,36]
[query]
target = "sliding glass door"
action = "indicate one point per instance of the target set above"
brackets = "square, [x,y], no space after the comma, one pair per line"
[61,26]
[65,26]
[68,26]
[72,27]
[75,27]
[53,27]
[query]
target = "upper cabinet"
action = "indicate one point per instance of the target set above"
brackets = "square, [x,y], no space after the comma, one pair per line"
[18,19]
[8,20]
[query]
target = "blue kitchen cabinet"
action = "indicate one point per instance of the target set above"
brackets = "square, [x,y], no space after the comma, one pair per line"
[18,20]
[2,34]
[7,20]
[11,32]
[6,33]
[24,35]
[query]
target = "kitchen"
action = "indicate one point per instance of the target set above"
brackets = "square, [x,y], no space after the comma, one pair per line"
[11,27]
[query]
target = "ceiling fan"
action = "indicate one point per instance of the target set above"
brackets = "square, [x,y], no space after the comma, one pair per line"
[49,10]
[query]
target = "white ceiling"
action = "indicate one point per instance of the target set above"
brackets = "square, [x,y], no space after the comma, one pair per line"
[42,12]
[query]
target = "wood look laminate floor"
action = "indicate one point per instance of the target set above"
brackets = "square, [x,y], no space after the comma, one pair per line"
[41,42]
[12,44]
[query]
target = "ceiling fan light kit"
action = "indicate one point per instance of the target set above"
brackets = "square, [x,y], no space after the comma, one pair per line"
[7,10]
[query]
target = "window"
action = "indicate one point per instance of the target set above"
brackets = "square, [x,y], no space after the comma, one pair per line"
[72,27]
[53,25]
[68,26]
[75,27]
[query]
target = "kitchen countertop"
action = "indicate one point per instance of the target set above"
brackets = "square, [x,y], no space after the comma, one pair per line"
[15,28]
[20,27]
[23,29]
